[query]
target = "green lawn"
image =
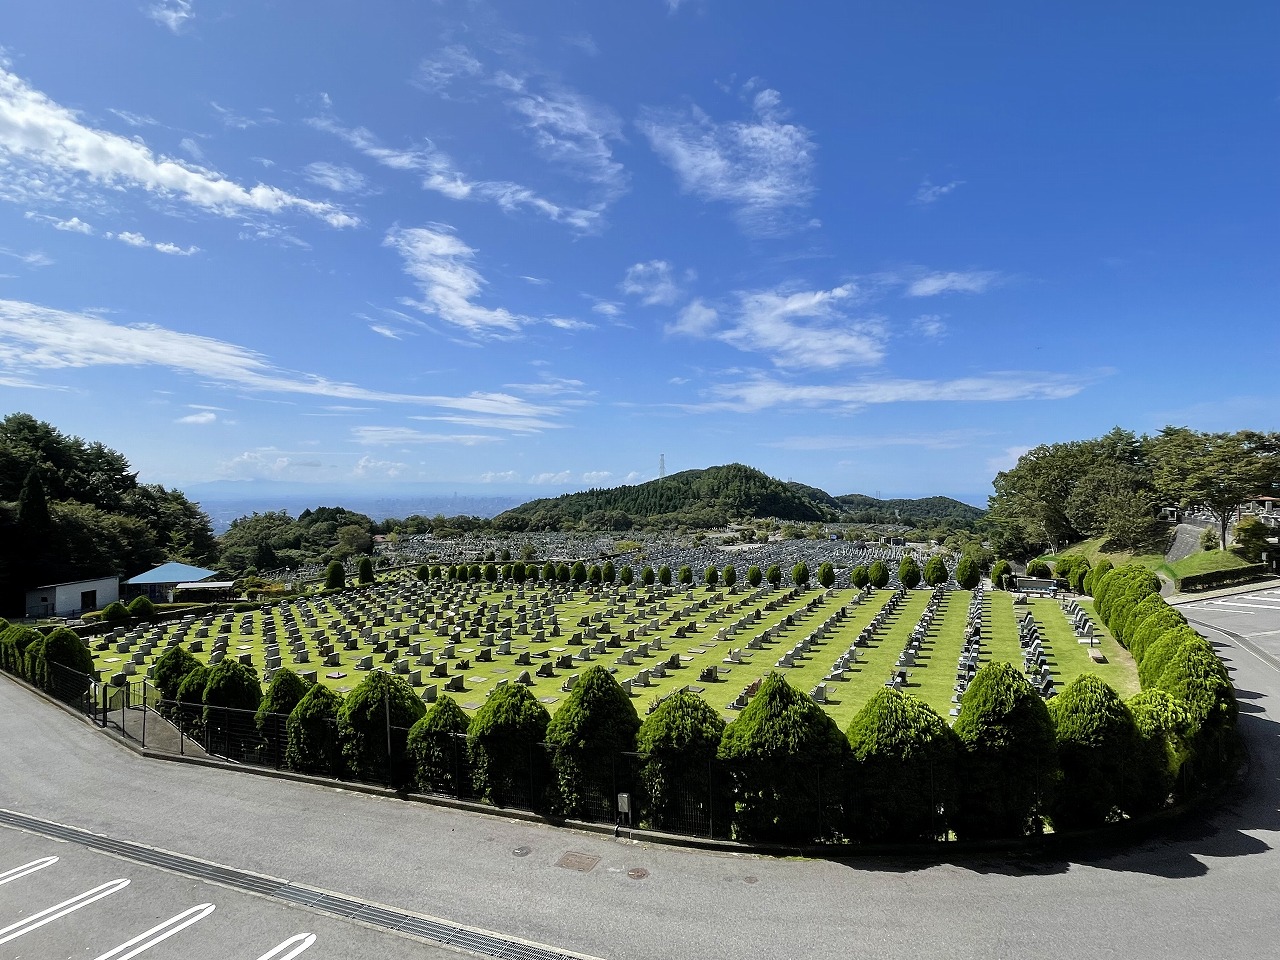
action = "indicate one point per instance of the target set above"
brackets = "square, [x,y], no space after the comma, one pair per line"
[931,678]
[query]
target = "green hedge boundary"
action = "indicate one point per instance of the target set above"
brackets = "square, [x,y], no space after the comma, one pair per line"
[1194,582]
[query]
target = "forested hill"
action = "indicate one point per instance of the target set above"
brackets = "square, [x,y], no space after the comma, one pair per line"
[696,498]
[926,511]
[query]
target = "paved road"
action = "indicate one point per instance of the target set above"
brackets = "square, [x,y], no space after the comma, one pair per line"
[1208,891]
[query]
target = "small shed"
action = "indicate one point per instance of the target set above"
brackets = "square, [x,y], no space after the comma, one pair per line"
[159,583]
[72,598]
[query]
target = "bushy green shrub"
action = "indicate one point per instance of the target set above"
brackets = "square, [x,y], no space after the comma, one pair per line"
[115,612]
[437,749]
[33,662]
[608,572]
[1039,569]
[779,752]
[773,575]
[711,576]
[664,575]
[190,697]
[1196,678]
[142,608]
[231,686]
[878,574]
[335,577]
[1097,744]
[423,572]
[1157,656]
[935,571]
[1001,571]
[378,700]
[364,570]
[1008,765]
[312,733]
[678,741]
[903,777]
[595,724]
[1094,576]
[800,574]
[826,576]
[647,575]
[1150,630]
[729,575]
[13,647]
[1077,576]
[685,576]
[754,576]
[284,692]
[579,572]
[909,572]
[968,573]
[64,648]
[1164,732]
[171,667]
[860,576]
[1128,624]
[504,743]
[626,576]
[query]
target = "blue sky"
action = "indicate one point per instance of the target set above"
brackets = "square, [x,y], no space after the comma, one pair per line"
[874,247]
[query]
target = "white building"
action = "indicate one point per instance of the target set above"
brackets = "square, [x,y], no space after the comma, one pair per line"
[73,598]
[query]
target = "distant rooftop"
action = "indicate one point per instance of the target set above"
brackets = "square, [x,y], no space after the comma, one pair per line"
[172,573]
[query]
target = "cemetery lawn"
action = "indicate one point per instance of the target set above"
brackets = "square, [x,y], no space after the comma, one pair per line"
[693,625]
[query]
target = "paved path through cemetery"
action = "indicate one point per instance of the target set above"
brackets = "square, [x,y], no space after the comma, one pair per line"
[1207,890]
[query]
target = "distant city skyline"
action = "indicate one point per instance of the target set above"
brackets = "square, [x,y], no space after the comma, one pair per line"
[505,249]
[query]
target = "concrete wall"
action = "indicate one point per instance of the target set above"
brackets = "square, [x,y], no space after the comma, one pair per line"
[69,600]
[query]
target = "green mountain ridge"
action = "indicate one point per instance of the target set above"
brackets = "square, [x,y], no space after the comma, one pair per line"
[715,496]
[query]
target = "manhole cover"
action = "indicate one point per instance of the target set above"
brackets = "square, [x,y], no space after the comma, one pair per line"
[750,879]
[582,862]
[521,851]
[637,873]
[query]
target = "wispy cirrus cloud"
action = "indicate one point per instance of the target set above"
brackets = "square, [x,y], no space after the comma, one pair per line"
[971,281]
[73,225]
[37,131]
[761,167]
[653,282]
[571,130]
[440,175]
[437,73]
[395,436]
[173,14]
[335,176]
[942,440]
[35,339]
[763,392]
[929,192]
[138,240]
[443,266]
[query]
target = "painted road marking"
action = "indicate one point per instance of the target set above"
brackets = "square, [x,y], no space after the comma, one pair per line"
[57,911]
[161,931]
[1249,606]
[17,873]
[298,944]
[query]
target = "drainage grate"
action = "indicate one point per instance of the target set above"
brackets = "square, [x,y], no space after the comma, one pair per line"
[440,931]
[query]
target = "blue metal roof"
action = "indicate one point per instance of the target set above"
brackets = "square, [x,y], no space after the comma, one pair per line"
[173,573]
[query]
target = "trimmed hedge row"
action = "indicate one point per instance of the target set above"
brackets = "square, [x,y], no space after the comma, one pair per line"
[1221,578]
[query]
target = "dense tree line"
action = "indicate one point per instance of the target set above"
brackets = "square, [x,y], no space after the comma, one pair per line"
[71,509]
[1115,485]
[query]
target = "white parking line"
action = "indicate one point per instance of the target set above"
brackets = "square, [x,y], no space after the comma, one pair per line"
[1249,606]
[17,873]
[57,911]
[298,943]
[161,931]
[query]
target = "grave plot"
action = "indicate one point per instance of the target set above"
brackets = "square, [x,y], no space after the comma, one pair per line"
[468,639]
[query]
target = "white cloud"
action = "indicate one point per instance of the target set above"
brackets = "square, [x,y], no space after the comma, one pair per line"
[253,464]
[1006,460]
[36,130]
[436,74]
[607,308]
[972,281]
[930,192]
[564,476]
[762,393]
[505,476]
[390,436]
[441,176]
[205,416]
[368,467]
[596,476]
[34,258]
[135,119]
[335,176]
[191,148]
[571,131]
[384,331]
[930,326]
[171,13]
[74,225]
[695,320]
[138,240]
[236,121]
[441,263]
[652,282]
[35,338]
[800,329]
[761,167]
[944,440]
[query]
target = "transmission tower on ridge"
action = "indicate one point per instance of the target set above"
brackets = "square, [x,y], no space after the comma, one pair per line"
[662,466]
